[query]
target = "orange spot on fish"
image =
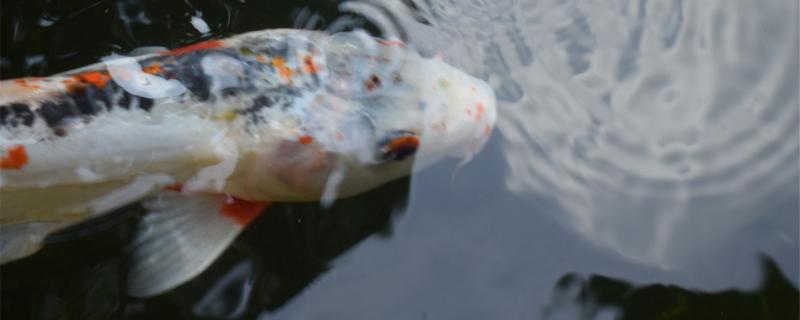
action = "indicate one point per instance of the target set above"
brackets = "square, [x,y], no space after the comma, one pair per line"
[98,79]
[71,83]
[391,43]
[472,88]
[309,65]
[280,64]
[26,83]
[15,159]
[262,59]
[481,110]
[196,47]
[306,140]
[153,68]
[242,211]
[487,130]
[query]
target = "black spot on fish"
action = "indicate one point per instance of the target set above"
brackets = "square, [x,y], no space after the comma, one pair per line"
[231,91]
[125,100]
[60,132]
[84,102]
[106,95]
[192,77]
[262,102]
[22,114]
[5,111]
[54,113]
[146,103]
[372,83]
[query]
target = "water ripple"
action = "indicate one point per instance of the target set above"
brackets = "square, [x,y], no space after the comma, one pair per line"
[661,127]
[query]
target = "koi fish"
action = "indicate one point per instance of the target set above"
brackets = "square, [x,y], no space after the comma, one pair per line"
[206,136]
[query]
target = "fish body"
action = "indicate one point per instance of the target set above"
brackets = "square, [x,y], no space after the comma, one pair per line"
[222,128]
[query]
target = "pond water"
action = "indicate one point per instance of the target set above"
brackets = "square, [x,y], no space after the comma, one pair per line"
[645,163]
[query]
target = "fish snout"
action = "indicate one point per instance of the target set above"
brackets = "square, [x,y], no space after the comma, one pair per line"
[461,122]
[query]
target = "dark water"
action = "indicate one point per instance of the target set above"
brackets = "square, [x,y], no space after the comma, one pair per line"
[645,166]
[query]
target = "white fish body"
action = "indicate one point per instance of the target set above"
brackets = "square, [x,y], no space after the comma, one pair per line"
[212,132]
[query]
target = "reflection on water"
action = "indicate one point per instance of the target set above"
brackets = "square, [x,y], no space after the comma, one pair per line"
[661,128]
[655,141]
[578,298]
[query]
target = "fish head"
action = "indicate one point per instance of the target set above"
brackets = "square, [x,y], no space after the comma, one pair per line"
[400,106]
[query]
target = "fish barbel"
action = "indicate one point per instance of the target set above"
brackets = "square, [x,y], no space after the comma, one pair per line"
[207,135]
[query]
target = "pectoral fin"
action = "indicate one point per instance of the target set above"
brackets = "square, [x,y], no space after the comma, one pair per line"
[181,236]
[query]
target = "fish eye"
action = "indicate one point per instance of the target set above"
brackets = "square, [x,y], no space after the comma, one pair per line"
[398,145]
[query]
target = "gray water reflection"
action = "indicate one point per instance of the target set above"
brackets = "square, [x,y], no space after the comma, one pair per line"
[660,127]
[664,134]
